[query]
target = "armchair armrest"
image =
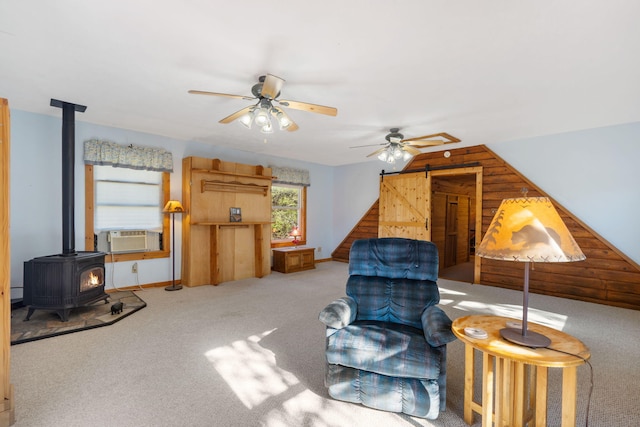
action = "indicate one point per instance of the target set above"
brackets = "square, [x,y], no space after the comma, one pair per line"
[339,313]
[436,326]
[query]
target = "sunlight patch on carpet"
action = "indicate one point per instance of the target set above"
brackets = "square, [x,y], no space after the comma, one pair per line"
[250,370]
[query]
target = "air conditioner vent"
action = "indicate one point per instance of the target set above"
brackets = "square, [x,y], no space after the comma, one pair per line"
[127,241]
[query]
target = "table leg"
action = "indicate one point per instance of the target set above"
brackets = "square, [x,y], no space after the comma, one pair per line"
[569,388]
[488,380]
[541,395]
[468,383]
[519,394]
[502,414]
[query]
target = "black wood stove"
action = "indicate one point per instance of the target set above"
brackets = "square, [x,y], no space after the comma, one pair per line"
[71,279]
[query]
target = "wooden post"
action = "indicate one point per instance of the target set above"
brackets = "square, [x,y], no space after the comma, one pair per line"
[7,411]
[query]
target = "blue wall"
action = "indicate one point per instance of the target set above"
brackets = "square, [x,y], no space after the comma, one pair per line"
[36,206]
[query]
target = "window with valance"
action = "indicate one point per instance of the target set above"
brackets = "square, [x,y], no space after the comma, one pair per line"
[130,185]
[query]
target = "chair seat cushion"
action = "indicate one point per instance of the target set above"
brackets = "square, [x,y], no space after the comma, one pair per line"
[385,348]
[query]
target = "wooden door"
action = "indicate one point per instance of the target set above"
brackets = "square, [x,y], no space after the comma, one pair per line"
[405,206]
[451,232]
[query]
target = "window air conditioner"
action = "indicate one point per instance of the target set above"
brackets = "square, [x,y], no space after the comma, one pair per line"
[127,241]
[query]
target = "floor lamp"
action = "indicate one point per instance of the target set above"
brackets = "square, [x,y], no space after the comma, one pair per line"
[172,208]
[528,229]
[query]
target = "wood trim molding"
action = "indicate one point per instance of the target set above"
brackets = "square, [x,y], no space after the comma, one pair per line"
[89,226]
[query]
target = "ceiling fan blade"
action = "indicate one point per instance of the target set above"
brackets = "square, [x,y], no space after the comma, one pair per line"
[367,145]
[236,115]
[411,150]
[271,86]
[447,138]
[292,127]
[312,108]
[424,143]
[378,151]
[202,92]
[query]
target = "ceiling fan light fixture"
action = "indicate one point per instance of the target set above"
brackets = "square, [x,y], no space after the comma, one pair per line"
[283,120]
[261,117]
[406,156]
[246,119]
[267,127]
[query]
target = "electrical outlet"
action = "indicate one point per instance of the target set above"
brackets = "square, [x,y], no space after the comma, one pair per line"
[319,249]
[134,267]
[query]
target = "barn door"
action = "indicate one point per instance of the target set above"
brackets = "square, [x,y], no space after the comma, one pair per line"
[405,206]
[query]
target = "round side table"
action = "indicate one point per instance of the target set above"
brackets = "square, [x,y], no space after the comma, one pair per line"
[514,376]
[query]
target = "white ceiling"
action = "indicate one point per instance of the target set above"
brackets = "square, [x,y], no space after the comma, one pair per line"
[484,71]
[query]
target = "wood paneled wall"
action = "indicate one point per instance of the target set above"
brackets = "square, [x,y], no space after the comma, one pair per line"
[607,276]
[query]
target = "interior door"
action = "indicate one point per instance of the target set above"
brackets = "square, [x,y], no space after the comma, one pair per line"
[405,206]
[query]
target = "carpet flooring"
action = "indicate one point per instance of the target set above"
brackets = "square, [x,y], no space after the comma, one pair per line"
[47,323]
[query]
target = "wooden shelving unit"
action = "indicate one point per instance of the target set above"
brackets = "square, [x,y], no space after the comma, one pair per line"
[216,250]
[233,187]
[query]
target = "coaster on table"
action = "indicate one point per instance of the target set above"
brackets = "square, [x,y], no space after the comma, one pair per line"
[514,325]
[475,333]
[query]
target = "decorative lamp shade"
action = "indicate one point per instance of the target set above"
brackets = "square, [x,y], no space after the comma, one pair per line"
[173,206]
[295,232]
[529,229]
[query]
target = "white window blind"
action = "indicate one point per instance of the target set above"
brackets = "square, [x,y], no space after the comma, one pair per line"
[127,199]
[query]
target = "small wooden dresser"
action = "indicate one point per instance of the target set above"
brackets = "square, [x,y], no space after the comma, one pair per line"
[289,260]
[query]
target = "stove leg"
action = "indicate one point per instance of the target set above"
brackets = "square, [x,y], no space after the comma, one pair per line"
[64,314]
[29,313]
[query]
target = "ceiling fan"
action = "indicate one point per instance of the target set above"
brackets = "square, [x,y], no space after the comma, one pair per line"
[266,92]
[399,147]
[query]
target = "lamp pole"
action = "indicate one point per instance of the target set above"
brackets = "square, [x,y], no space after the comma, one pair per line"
[172,208]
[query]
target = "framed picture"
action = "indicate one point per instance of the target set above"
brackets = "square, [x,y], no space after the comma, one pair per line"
[235,215]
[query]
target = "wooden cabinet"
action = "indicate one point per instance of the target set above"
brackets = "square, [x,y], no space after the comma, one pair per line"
[289,260]
[214,249]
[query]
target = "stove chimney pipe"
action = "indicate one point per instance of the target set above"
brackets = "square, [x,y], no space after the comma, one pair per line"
[68,173]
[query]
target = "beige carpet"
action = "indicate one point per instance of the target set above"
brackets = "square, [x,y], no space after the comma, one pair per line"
[250,353]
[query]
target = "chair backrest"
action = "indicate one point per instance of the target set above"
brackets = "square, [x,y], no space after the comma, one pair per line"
[393,279]
[395,258]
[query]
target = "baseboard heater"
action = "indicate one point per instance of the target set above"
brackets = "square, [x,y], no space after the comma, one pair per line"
[127,241]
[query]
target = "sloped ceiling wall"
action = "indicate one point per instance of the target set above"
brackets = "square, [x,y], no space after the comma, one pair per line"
[607,276]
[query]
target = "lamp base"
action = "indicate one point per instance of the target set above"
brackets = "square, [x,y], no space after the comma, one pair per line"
[532,339]
[173,287]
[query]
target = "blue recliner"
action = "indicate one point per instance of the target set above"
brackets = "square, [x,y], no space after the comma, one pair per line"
[386,339]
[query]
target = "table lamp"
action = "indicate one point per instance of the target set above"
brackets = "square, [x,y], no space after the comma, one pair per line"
[295,232]
[528,229]
[172,208]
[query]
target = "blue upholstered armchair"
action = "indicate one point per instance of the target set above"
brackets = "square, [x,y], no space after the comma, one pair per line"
[386,339]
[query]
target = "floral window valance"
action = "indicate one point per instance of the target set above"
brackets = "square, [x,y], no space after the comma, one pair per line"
[290,176]
[101,152]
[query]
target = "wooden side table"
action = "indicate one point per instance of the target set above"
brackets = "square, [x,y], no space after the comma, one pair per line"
[289,260]
[515,377]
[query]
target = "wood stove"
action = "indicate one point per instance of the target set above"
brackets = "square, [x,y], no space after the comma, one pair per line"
[71,279]
[61,283]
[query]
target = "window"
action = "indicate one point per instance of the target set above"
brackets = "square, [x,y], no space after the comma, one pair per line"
[126,199]
[288,209]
